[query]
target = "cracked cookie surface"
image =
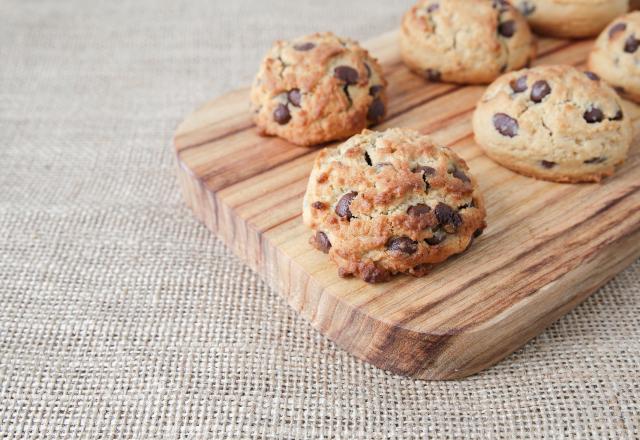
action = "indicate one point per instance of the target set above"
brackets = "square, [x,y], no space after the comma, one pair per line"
[465,41]
[616,56]
[318,88]
[553,122]
[570,18]
[389,202]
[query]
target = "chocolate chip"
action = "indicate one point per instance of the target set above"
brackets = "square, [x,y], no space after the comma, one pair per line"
[619,116]
[592,76]
[433,7]
[347,74]
[593,115]
[433,75]
[375,90]
[547,164]
[619,89]
[318,205]
[447,216]
[376,111]
[438,237]
[367,158]
[631,44]
[426,173]
[539,90]
[526,8]
[374,274]
[507,28]
[617,28]
[505,124]
[418,210]
[322,241]
[342,208]
[477,233]
[281,114]
[295,97]
[366,66]
[402,244]
[519,85]
[460,175]
[303,47]
[595,160]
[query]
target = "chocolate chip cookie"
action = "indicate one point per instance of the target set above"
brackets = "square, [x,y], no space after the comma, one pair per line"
[465,41]
[388,202]
[318,88]
[616,56]
[553,122]
[570,18]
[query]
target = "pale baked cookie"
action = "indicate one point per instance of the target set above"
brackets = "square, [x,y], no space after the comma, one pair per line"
[570,18]
[616,55]
[553,122]
[465,41]
[389,202]
[318,88]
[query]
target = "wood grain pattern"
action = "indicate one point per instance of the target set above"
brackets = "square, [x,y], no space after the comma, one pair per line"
[547,247]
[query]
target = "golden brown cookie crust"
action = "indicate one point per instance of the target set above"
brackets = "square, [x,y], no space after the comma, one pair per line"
[616,56]
[571,18]
[465,41]
[554,123]
[389,202]
[318,88]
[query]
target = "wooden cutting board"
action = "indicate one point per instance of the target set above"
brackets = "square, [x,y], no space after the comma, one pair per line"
[547,247]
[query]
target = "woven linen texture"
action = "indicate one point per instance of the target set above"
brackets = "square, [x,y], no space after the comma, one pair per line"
[122,317]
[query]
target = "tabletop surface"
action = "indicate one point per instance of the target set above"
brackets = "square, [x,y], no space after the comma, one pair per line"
[123,317]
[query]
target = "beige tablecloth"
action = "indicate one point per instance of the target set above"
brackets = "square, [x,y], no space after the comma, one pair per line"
[122,317]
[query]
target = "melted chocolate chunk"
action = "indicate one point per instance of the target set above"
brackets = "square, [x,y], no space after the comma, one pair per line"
[593,115]
[619,116]
[322,241]
[433,75]
[507,28]
[294,97]
[418,210]
[505,124]
[433,7]
[595,160]
[347,74]
[460,175]
[617,28]
[376,111]
[402,244]
[318,205]
[367,158]
[446,215]
[438,237]
[281,114]
[539,90]
[373,274]
[375,90]
[519,85]
[304,47]
[547,164]
[342,207]
[477,233]
[631,44]
[592,76]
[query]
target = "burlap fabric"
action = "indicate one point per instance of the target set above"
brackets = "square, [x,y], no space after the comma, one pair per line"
[122,317]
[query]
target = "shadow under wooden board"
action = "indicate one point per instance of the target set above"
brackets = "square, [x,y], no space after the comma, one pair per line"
[547,245]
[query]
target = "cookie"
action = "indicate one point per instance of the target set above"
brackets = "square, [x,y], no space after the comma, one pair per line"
[570,18]
[465,41]
[389,202]
[318,88]
[553,122]
[616,56]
